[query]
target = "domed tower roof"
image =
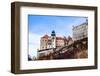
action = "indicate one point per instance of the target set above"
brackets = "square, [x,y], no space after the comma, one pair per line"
[53,33]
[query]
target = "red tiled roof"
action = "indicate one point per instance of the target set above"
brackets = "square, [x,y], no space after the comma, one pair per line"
[45,36]
[59,38]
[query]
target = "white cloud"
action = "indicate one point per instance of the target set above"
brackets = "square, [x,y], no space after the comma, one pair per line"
[34,44]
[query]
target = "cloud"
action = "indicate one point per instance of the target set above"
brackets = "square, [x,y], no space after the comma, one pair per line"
[34,44]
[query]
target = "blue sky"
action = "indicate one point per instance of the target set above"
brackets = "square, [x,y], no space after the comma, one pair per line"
[40,25]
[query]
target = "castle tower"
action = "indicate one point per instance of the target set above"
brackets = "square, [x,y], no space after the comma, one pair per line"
[53,38]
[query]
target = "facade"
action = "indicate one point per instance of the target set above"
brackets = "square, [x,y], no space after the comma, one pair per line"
[59,41]
[80,31]
[48,41]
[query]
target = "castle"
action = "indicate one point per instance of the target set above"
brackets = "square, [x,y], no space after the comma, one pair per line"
[53,41]
[54,47]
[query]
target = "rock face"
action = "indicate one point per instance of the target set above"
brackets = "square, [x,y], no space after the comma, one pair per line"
[81,54]
[76,50]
